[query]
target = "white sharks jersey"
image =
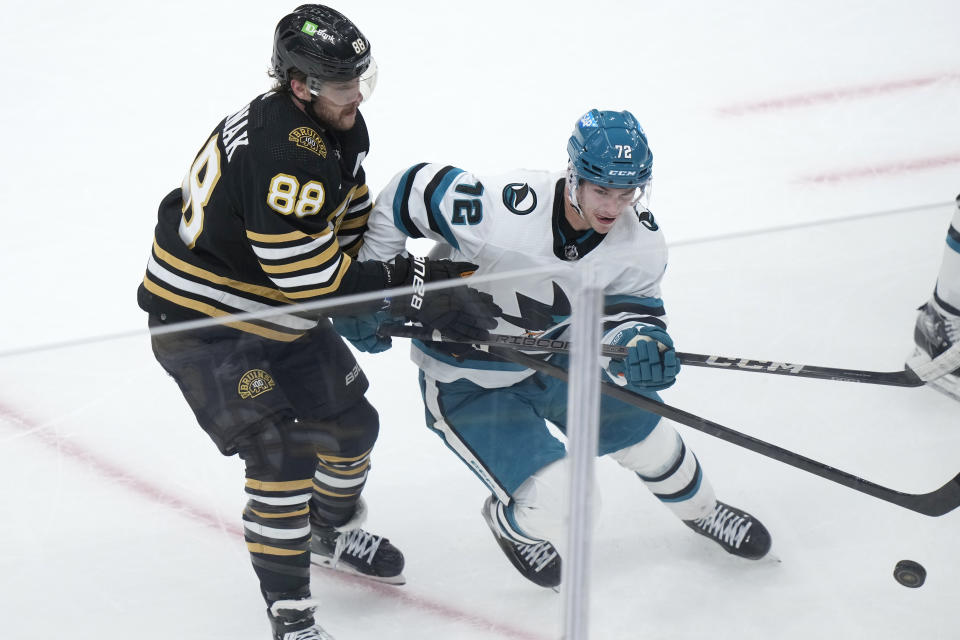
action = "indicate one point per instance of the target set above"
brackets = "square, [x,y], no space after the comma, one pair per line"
[514,225]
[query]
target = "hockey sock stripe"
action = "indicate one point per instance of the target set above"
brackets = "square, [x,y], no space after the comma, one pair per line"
[275,533]
[344,462]
[343,469]
[953,239]
[686,493]
[337,485]
[669,472]
[262,513]
[280,501]
[681,482]
[945,306]
[259,547]
[278,524]
[325,479]
[277,487]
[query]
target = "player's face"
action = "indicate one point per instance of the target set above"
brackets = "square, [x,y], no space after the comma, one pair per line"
[336,103]
[601,206]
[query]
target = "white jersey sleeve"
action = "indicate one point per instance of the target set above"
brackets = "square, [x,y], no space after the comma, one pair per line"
[438,202]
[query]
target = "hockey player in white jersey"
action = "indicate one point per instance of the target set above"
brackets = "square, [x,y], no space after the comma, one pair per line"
[491,413]
[937,332]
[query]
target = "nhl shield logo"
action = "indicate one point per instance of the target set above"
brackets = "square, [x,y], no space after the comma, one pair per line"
[254,383]
[519,198]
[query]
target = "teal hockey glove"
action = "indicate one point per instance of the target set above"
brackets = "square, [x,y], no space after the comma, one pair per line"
[650,365]
[361,331]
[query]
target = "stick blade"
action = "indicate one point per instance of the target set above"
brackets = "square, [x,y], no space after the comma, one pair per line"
[936,503]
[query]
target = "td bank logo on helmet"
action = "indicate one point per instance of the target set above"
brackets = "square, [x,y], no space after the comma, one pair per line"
[313,29]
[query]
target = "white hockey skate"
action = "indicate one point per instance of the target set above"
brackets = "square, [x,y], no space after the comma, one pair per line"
[936,332]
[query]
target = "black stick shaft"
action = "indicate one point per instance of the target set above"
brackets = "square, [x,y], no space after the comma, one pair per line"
[905,378]
[935,503]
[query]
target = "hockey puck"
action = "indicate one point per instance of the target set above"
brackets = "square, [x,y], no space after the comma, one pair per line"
[910,574]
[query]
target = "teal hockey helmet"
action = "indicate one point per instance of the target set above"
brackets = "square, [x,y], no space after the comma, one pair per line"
[609,148]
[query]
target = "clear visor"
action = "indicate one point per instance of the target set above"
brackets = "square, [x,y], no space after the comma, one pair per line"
[586,192]
[344,92]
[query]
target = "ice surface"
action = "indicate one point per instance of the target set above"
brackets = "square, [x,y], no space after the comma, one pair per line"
[804,117]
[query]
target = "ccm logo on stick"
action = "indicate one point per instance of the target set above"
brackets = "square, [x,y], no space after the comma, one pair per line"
[744,363]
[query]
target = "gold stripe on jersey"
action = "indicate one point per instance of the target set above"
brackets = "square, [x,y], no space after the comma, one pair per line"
[289,485]
[270,238]
[355,223]
[214,312]
[186,267]
[302,265]
[342,206]
[333,286]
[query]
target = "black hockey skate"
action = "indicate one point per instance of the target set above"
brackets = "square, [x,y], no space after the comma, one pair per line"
[736,531]
[536,560]
[293,620]
[936,332]
[357,552]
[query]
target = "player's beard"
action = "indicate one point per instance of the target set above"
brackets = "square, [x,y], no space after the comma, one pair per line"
[339,118]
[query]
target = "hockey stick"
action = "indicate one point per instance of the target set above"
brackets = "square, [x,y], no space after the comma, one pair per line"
[936,503]
[905,378]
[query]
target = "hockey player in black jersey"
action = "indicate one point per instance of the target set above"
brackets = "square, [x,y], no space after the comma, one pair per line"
[272,212]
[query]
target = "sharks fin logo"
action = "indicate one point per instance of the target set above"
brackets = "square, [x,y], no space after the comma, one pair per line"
[519,198]
[539,316]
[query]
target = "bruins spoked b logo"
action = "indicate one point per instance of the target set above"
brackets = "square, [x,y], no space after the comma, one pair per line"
[307,138]
[519,198]
[254,383]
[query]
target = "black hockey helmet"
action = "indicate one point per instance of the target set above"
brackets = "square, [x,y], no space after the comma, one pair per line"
[321,43]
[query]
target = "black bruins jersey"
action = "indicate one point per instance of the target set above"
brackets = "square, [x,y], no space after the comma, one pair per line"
[271,213]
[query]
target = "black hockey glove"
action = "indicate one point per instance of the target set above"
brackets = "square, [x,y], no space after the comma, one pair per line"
[460,313]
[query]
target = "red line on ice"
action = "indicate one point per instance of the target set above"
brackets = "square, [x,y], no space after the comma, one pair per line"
[817,98]
[104,467]
[882,170]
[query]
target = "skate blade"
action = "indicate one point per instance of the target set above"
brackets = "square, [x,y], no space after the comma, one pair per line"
[325,563]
